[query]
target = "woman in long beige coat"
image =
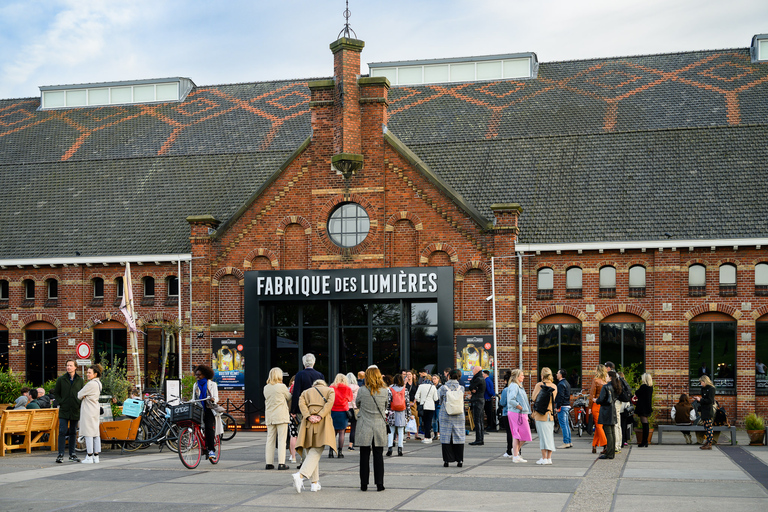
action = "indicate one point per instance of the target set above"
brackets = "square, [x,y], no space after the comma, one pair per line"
[315,432]
[277,401]
[89,413]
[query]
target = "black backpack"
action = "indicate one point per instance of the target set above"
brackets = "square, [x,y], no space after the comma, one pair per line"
[543,399]
[626,391]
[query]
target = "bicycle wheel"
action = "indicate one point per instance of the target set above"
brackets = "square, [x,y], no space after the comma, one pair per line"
[172,437]
[141,435]
[190,449]
[230,426]
[215,460]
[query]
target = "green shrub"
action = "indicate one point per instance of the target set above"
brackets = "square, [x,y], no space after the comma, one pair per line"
[187,386]
[114,379]
[754,422]
[10,386]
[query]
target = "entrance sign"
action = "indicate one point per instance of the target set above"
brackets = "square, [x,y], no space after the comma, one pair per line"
[228,362]
[83,350]
[474,351]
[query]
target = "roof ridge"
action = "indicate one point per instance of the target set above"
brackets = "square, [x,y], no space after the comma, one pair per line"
[589,134]
[635,56]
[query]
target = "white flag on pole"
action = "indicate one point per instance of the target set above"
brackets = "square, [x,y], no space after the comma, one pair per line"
[126,305]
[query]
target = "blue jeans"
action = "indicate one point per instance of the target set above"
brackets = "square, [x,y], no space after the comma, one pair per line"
[565,423]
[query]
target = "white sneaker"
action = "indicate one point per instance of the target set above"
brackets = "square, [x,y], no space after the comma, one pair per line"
[518,459]
[298,482]
[506,455]
[87,460]
[541,462]
[292,459]
[548,462]
[315,487]
[95,459]
[426,441]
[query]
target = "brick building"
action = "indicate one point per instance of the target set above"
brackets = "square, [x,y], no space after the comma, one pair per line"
[598,209]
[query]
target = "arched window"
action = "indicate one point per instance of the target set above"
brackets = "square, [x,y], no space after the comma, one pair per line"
[172,287]
[29,294]
[97,300]
[118,291]
[622,340]
[712,342]
[637,281]
[573,283]
[559,344]
[545,283]
[761,279]
[607,281]
[727,280]
[52,287]
[697,281]
[148,299]
[42,352]
[4,292]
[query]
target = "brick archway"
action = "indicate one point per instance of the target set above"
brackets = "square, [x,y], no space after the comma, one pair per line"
[558,310]
[261,251]
[757,313]
[622,308]
[711,308]
[6,321]
[156,317]
[100,317]
[472,265]
[226,271]
[403,215]
[438,247]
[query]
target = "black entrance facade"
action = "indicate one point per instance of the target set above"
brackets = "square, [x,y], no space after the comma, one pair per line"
[395,318]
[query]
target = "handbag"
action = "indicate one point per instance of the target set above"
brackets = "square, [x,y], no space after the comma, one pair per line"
[379,408]
[411,426]
[350,415]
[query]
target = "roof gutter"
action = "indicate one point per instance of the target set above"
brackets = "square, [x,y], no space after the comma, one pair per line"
[96,260]
[644,245]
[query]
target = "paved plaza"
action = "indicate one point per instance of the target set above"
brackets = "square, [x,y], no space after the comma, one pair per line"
[672,477]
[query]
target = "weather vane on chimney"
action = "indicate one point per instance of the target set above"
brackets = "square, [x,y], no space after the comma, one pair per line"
[346,30]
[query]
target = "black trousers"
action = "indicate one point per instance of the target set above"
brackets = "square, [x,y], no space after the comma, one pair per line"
[508,429]
[352,427]
[477,414]
[210,429]
[426,422]
[67,431]
[490,412]
[378,465]
[610,450]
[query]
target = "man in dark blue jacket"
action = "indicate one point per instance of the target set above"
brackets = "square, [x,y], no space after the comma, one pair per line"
[490,410]
[304,380]
[563,407]
[477,401]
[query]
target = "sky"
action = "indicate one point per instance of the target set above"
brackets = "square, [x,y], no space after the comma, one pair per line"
[55,42]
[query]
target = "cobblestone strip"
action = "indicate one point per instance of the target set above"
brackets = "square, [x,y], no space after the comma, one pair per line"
[597,490]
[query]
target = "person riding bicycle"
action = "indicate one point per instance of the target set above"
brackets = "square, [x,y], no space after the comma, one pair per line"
[208,391]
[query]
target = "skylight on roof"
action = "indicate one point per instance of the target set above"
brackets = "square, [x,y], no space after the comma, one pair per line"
[759,48]
[114,93]
[471,69]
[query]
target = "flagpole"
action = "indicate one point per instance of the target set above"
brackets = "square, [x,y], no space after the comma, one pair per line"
[127,307]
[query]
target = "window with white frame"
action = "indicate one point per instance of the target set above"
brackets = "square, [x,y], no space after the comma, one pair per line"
[697,280]
[637,281]
[727,279]
[607,281]
[545,283]
[761,279]
[573,278]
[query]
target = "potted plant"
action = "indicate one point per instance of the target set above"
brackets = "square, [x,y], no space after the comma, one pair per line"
[755,428]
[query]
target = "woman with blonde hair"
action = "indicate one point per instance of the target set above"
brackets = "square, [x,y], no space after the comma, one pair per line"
[706,410]
[601,376]
[89,413]
[372,400]
[277,401]
[339,411]
[545,421]
[644,406]
[518,410]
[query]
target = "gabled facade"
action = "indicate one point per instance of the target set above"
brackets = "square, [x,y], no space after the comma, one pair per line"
[596,210]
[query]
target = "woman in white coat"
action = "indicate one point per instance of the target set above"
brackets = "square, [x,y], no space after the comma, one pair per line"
[206,389]
[277,416]
[89,413]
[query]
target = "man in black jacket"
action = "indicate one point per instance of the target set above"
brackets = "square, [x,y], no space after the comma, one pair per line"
[304,380]
[563,407]
[65,392]
[477,402]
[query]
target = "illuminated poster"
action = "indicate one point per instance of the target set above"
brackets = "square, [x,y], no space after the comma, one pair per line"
[474,351]
[228,362]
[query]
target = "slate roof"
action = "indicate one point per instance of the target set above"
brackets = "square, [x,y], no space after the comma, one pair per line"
[561,140]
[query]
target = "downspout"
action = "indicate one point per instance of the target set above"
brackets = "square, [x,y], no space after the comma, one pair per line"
[495,340]
[520,307]
[181,335]
[190,312]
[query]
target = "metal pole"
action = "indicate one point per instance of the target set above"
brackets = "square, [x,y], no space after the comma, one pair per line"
[520,307]
[495,340]
[181,330]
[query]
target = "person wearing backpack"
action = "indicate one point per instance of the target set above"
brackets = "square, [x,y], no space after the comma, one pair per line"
[452,427]
[518,410]
[543,413]
[398,414]
[618,405]
[426,396]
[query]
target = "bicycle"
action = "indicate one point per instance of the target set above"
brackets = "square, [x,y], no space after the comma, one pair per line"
[191,442]
[581,416]
[230,426]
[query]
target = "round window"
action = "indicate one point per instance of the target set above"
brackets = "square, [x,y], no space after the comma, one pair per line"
[348,225]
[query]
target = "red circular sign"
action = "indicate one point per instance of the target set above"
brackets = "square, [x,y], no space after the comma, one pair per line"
[83,350]
[487,346]
[239,348]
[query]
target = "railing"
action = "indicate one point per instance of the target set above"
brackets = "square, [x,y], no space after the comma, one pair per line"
[697,291]
[727,290]
[607,293]
[545,294]
[637,291]
[247,409]
[573,293]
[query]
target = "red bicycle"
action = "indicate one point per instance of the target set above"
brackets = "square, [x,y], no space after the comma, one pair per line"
[189,416]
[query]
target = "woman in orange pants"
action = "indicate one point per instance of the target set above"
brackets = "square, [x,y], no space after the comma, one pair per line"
[601,373]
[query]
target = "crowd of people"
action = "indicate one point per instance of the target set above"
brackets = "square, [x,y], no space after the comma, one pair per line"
[308,415]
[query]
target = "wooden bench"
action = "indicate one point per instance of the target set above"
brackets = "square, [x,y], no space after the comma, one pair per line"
[31,425]
[694,428]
